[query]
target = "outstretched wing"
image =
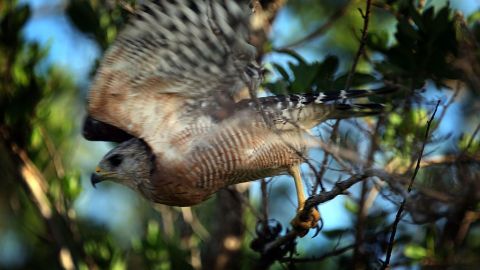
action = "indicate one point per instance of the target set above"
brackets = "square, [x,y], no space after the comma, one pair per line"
[172,59]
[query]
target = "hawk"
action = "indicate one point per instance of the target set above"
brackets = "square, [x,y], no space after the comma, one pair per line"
[165,90]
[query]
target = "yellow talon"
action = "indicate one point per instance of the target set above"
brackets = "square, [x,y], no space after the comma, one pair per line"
[302,222]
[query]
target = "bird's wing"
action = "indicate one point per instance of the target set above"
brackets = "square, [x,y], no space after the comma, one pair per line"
[263,120]
[173,61]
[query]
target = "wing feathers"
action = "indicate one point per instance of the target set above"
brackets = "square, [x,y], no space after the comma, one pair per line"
[170,47]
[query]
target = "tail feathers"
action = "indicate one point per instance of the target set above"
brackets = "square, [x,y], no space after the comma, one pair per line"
[309,110]
[359,93]
[325,97]
[288,102]
[343,111]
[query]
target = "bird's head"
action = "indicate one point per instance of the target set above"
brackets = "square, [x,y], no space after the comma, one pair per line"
[130,163]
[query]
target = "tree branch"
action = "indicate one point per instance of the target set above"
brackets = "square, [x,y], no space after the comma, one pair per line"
[320,30]
[361,48]
[398,216]
[358,251]
[314,201]
[333,253]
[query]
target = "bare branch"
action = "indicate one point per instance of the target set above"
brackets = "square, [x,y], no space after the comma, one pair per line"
[326,156]
[361,48]
[320,30]
[333,253]
[313,201]
[398,216]
[474,134]
[363,209]
[338,189]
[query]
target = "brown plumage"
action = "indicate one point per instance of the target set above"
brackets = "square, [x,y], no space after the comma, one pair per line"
[166,86]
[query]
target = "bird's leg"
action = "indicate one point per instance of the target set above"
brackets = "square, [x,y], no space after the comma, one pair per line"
[302,222]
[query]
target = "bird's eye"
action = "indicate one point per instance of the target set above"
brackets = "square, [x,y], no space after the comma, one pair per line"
[115,160]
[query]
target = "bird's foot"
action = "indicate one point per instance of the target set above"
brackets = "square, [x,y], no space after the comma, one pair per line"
[304,221]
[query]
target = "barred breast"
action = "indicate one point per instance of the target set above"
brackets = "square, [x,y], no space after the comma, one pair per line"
[236,152]
[236,156]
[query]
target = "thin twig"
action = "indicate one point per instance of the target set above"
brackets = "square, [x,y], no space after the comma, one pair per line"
[338,189]
[449,103]
[197,227]
[398,216]
[363,210]
[361,48]
[320,30]
[53,152]
[474,134]
[326,157]
[333,253]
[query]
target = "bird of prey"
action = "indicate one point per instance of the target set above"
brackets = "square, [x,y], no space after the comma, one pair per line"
[165,90]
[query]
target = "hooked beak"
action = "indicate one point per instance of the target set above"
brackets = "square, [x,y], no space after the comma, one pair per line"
[96,177]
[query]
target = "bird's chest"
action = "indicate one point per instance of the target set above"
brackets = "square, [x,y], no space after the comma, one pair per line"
[218,166]
[228,158]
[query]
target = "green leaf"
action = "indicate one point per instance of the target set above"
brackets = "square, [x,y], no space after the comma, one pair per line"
[279,87]
[417,18]
[326,73]
[329,65]
[282,71]
[358,79]
[153,230]
[293,54]
[378,41]
[474,17]
[304,76]
[19,75]
[415,252]
[467,139]
[351,206]
[406,31]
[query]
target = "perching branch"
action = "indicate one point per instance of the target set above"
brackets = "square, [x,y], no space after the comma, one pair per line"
[338,189]
[314,201]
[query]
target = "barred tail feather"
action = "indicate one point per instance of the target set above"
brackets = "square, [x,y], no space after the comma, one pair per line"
[309,110]
[343,111]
